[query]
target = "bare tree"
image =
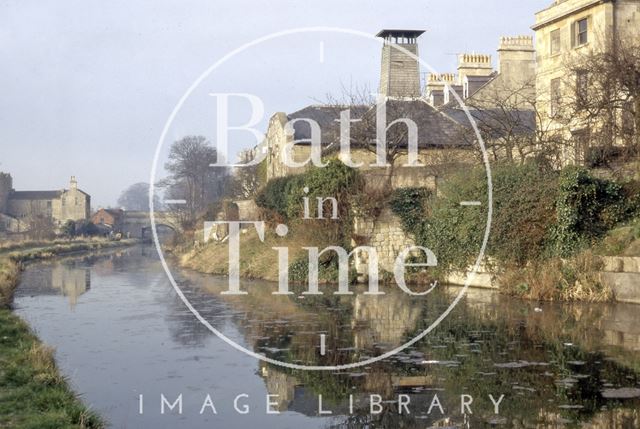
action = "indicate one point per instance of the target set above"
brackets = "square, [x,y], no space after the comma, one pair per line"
[245,182]
[602,100]
[136,198]
[399,117]
[192,178]
[511,124]
[41,227]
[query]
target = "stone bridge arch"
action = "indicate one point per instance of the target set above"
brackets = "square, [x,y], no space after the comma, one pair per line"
[138,224]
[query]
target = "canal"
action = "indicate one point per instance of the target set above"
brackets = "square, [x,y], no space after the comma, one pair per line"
[126,341]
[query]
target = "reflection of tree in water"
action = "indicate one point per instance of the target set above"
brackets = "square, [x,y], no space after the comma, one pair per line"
[485,346]
[184,328]
[479,350]
[499,352]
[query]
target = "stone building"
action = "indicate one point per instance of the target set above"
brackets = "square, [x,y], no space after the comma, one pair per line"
[501,101]
[439,136]
[565,31]
[23,208]
[481,87]
[6,185]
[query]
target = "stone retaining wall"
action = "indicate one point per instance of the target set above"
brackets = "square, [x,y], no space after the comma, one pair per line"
[385,234]
[622,275]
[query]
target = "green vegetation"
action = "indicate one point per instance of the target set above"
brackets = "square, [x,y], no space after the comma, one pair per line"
[284,196]
[587,208]
[282,200]
[548,227]
[523,201]
[621,241]
[33,394]
[9,274]
[543,226]
[410,205]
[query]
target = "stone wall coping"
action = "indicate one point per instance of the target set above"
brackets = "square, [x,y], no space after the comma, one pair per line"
[621,264]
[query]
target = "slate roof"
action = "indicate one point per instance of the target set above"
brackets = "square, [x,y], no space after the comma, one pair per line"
[35,195]
[39,195]
[435,128]
[113,212]
[521,121]
[476,83]
[326,117]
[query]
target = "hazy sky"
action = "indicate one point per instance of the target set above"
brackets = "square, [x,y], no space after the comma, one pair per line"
[86,86]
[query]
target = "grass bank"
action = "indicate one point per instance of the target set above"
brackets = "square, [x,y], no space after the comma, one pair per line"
[33,394]
[257,260]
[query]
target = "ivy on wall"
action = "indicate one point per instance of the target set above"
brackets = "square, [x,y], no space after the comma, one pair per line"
[538,213]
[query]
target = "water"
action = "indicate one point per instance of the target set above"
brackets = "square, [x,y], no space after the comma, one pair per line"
[120,331]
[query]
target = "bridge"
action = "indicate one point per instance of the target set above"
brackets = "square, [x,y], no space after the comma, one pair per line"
[138,224]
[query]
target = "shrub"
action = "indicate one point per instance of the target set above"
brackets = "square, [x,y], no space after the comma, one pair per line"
[409,204]
[587,207]
[602,156]
[523,202]
[335,180]
[524,212]
[68,229]
[537,214]
[285,195]
[274,196]
[87,228]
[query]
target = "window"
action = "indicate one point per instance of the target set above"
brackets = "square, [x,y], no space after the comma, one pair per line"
[582,87]
[628,120]
[555,96]
[555,42]
[582,32]
[581,145]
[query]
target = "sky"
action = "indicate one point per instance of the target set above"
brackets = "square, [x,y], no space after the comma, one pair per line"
[87,86]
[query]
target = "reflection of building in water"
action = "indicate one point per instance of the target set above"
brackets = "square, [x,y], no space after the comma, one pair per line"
[383,319]
[292,394]
[593,326]
[281,384]
[70,281]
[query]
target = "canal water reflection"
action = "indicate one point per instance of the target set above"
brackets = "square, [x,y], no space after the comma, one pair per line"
[120,332]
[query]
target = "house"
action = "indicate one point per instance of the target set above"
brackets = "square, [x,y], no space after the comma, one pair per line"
[45,208]
[439,136]
[567,31]
[111,218]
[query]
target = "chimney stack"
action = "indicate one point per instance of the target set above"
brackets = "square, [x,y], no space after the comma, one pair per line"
[473,65]
[517,58]
[73,183]
[435,89]
[400,74]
